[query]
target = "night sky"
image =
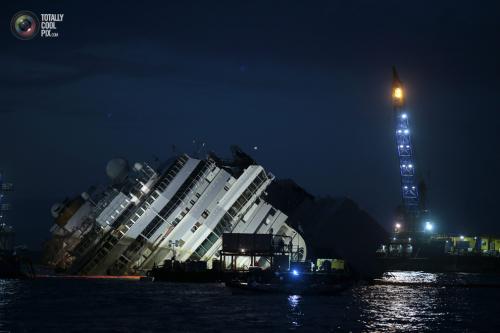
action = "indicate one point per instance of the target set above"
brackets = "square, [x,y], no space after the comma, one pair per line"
[307,82]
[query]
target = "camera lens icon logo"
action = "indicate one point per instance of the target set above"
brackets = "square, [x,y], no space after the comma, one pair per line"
[25,25]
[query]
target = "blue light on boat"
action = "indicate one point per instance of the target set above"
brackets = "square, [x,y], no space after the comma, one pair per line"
[294,272]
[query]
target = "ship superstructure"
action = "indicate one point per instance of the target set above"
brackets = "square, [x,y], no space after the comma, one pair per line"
[148,215]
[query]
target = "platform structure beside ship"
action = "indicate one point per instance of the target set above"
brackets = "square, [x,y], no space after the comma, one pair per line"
[440,253]
[275,266]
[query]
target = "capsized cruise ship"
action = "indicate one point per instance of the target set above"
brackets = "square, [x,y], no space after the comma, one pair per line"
[147,215]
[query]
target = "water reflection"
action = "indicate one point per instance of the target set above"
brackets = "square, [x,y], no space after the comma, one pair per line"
[49,305]
[406,308]
[400,308]
[8,290]
[443,279]
[411,277]
[295,313]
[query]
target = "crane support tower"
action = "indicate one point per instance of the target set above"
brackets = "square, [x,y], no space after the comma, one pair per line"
[409,188]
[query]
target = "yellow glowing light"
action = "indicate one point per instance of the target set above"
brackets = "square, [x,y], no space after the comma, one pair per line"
[398,93]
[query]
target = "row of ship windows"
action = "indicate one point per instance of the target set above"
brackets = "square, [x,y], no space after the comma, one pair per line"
[141,211]
[205,213]
[134,247]
[123,216]
[101,253]
[121,232]
[224,224]
[162,185]
[184,194]
[205,246]
[155,194]
[117,267]
[82,247]
[174,170]
[177,199]
[247,194]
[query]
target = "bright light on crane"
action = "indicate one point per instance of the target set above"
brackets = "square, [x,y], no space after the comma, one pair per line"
[429,226]
[398,93]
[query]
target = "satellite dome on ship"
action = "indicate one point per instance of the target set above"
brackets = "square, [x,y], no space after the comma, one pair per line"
[117,170]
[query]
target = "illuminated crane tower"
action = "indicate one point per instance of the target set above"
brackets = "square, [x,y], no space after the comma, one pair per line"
[4,187]
[409,190]
[6,232]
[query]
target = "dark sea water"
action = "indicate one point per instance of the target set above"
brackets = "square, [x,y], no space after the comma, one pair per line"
[70,305]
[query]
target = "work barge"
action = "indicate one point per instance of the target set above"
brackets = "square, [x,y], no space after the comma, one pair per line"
[274,268]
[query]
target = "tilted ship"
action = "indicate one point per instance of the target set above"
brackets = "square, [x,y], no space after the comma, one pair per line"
[146,215]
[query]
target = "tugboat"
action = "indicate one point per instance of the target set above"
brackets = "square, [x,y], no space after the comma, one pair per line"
[293,282]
